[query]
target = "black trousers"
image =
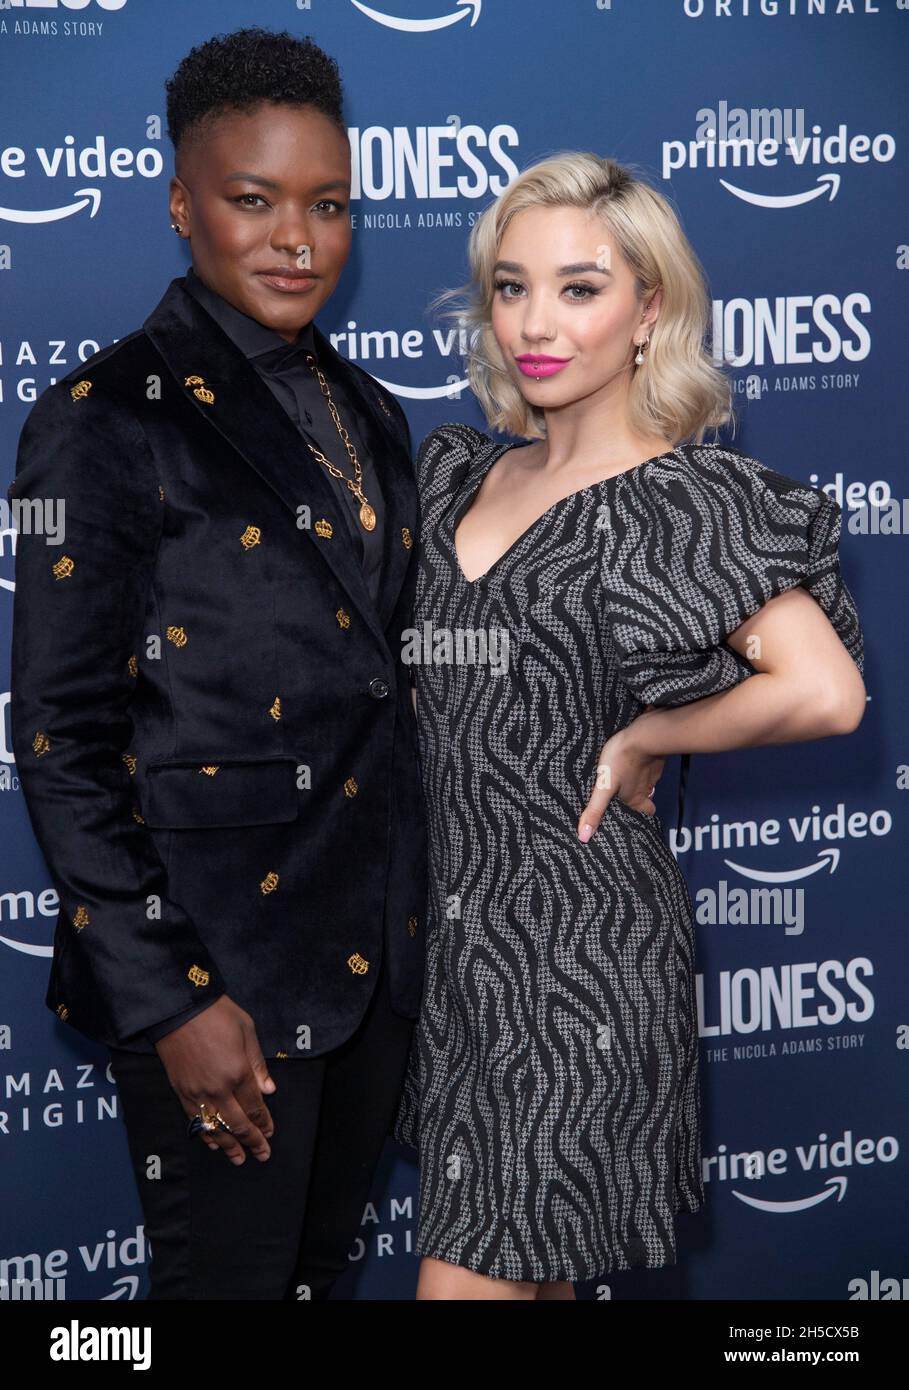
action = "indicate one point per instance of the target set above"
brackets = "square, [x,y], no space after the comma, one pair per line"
[281,1229]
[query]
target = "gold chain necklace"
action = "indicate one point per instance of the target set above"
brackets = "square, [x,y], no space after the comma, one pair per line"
[367,513]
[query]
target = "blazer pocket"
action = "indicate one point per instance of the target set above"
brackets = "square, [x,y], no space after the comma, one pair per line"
[192,795]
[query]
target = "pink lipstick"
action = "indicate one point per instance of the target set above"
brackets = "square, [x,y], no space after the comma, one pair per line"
[539,364]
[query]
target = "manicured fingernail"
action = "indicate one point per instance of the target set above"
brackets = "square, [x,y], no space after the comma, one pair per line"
[586,832]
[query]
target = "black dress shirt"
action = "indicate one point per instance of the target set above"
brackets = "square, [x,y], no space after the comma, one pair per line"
[283,368]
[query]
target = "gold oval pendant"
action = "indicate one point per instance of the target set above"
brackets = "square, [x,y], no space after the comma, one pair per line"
[367,516]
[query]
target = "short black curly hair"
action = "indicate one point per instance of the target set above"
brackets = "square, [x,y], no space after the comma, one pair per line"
[241,70]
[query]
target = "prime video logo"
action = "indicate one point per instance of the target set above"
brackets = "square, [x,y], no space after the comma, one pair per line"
[76,1343]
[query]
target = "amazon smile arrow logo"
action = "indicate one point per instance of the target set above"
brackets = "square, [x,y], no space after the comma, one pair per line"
[830,184]
[827,859]
[836,1185]
[451,389]
[28,948]
[85,198]
[423,26]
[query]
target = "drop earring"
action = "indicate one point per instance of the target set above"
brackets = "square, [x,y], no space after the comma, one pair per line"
[640,355]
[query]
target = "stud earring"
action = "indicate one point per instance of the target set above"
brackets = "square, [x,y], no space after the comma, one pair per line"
[176,226]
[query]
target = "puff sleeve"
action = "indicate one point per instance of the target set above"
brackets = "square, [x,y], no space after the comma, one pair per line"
[444,457]
[698,545]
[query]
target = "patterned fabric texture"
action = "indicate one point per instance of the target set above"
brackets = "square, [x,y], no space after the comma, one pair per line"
[552,1089]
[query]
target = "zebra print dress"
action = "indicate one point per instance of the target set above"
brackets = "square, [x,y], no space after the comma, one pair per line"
[552,1086]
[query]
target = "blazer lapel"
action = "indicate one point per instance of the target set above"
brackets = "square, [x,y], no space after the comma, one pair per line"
[390,451]
[220,384]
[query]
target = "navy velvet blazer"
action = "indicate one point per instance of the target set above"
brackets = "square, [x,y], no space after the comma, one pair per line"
[211,719]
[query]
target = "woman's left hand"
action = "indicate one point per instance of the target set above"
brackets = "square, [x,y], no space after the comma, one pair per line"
[625,772]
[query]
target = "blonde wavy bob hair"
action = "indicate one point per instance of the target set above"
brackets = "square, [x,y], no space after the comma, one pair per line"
[677,392]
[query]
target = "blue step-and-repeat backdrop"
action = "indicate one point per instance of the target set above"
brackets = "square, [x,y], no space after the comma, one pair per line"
[798,209]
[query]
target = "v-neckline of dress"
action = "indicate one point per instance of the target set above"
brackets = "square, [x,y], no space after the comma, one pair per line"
[462,506]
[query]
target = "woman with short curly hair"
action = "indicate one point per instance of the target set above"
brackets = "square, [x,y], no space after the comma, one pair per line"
[211,718]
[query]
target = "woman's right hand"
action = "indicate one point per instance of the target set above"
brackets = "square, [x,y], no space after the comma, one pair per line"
[624,772]
[215,1060]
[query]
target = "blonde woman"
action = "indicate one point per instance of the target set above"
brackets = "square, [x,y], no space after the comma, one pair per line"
[632,592]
